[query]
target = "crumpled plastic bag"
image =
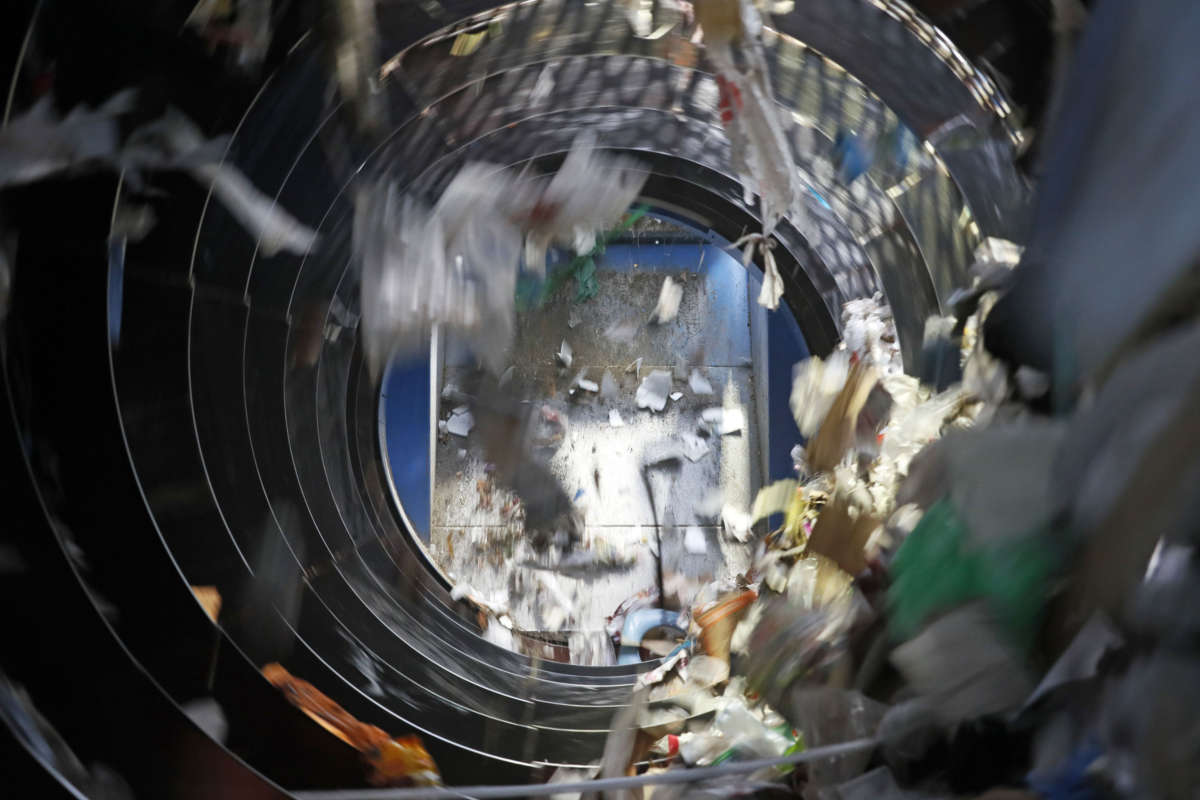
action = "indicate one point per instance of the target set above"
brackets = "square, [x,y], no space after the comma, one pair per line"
[842,532]
[939,568]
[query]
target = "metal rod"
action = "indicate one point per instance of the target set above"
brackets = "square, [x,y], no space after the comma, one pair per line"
[599,785]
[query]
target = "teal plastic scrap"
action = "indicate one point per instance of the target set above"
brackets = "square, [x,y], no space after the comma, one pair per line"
[936,569]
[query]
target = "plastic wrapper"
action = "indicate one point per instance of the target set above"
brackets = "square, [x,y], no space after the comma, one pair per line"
[772,288]
[746,733]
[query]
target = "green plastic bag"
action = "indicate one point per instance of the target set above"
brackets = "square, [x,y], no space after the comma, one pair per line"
[936,570]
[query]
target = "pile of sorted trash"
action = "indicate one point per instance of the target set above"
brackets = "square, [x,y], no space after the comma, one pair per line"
[955,579]
[770,663]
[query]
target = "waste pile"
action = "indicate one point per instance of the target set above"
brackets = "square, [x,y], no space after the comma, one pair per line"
[958,576]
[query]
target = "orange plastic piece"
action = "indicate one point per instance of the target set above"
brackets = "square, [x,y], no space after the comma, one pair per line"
[718,621]
[395,761]
[401,759]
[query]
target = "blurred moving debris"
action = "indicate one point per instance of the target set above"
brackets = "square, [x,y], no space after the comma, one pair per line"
[907,580]
[174,142]
[209,599]
[37,144]
[733,43]
[455,264]
[460,422]
[350,28]
[208,715]
[394,761]
[28,726]
[244,25]
[653,391]
[668,302]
